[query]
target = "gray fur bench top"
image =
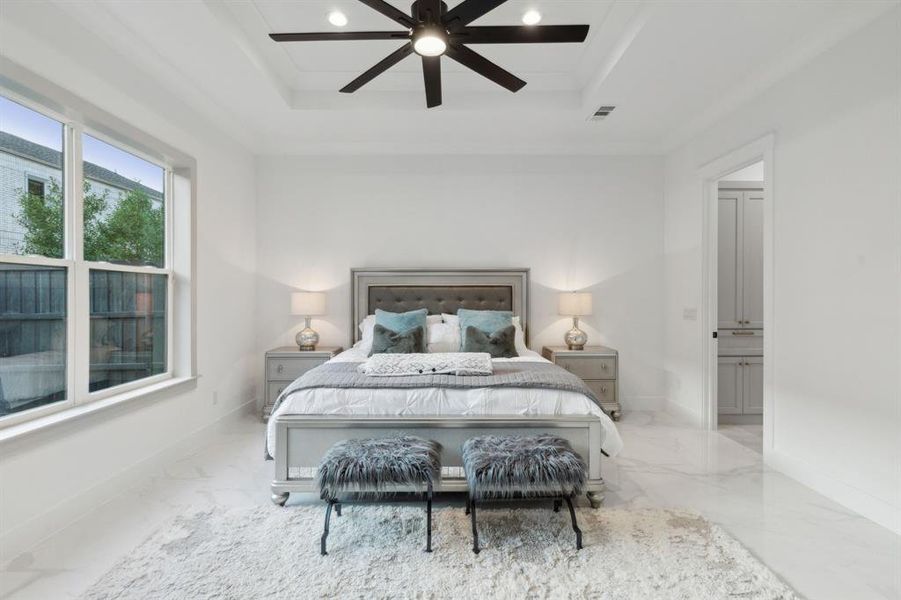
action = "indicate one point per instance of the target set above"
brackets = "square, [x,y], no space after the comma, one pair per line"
[505,466]
[377,466]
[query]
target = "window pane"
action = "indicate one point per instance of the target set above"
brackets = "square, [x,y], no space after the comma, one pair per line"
[32,336]
[123,206]
[31,182]
[128,327]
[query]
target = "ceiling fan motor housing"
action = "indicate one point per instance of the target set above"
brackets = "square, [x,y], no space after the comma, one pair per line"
[422,14]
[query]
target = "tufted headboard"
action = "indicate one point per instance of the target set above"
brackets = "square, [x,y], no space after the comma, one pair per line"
[438,290]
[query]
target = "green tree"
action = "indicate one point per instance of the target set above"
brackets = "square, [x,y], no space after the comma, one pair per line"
[130,233]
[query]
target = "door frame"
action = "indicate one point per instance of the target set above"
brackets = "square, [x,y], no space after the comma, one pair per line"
[709,174]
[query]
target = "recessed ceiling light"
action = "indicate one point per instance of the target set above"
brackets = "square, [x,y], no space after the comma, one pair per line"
[337,18]
[532,17]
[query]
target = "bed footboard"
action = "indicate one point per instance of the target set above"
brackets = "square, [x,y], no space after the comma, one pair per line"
[301,440]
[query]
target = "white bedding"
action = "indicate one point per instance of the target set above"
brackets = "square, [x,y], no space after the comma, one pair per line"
[442,401]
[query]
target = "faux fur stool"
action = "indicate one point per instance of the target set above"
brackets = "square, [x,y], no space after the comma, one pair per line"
[378,467]
[505,467]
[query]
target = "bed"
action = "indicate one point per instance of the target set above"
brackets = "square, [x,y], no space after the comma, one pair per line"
[307,422]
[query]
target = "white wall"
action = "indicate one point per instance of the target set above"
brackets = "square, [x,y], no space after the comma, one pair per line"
[48,478]
[578,222]
[836,326]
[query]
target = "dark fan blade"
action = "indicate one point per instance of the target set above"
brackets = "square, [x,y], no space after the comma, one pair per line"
[514,34]
[340,35]
[431,72]
[485,67]
[389,11]
[468,11]
[382,66]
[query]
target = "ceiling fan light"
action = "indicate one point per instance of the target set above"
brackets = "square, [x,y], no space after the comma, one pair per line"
[531,17]
[429,45]
[337,18]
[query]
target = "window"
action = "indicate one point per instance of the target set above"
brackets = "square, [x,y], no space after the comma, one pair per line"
[30,144]
[86,285]
[36,187]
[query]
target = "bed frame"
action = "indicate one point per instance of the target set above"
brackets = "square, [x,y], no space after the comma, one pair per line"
[301,440]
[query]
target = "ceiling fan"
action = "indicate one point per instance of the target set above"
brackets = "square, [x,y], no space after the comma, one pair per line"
[431,30]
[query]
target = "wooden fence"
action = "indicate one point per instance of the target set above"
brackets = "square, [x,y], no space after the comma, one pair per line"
[128,332]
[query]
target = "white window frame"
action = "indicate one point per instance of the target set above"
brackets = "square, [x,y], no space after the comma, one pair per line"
[78,270]
[29,177]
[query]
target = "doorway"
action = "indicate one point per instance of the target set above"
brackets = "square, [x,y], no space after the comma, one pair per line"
[740,333]
[737,309]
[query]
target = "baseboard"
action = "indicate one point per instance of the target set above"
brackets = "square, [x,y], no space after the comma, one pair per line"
[643,403]
[875,509]
[31,533]
[740,419]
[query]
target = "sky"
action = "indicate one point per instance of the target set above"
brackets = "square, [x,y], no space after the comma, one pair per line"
[35,127]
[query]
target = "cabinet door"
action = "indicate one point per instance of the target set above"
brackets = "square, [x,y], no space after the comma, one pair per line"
[729,385]
[752,259]
[752,385]
[728,261]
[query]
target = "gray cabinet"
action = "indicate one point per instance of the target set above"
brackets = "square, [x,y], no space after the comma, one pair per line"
[740,385]
[597,366]
[740,259]
[284,365]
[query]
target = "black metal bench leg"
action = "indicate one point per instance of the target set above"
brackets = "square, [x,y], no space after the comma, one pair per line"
[475,532]
[572,514]
[328,516]
[428,520]
[557,503]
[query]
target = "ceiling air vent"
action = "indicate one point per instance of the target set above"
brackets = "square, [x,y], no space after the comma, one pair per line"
[601,113]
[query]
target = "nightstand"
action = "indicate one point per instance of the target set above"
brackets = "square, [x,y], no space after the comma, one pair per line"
[285,364]
[597,366]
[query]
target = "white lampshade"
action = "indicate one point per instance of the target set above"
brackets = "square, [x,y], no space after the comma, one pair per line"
[574,304]
[308,304]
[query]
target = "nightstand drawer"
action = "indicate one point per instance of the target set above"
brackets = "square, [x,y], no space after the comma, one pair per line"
[604,390]
[290,368]
[590,367]
[273,390]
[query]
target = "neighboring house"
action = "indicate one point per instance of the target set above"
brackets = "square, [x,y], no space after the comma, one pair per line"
[25,165]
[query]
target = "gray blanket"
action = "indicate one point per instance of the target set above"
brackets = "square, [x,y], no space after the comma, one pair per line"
[512,374]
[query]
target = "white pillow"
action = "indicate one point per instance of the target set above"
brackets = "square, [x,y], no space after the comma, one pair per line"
[367,326]
[444,337]
[519,340]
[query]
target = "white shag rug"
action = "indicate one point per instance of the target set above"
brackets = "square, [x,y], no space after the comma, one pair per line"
[376,551]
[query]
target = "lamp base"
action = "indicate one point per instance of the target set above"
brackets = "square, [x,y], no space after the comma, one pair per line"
[306,338]
[575,338]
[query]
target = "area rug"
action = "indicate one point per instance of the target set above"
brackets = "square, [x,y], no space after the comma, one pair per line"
[376,551]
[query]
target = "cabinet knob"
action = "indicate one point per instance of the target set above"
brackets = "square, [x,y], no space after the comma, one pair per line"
[604,366]
[603,389]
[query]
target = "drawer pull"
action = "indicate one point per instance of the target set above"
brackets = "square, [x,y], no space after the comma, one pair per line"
[280,369]
[604,389]
[604,366]
[742,333]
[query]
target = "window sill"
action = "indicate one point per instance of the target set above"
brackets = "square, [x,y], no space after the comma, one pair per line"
[66,416]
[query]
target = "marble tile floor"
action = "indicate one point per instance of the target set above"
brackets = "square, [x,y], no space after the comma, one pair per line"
[749,436]
[818,547]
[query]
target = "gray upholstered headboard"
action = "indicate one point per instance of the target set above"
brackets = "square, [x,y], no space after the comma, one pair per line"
[438,290]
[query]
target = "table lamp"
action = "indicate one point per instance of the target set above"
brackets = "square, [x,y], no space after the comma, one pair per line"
[308,305]
[575,305]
